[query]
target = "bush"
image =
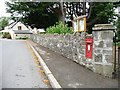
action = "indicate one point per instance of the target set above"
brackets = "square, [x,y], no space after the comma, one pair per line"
[59,28]
[22,38]
[0,34]
[6,35]
[118,27]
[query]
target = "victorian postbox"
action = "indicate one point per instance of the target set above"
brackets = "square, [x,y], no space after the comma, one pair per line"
[89,47]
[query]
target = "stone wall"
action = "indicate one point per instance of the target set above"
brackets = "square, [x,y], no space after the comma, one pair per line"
[74,47]
[70,46]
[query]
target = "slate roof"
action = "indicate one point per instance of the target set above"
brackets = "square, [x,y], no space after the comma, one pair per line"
[22,32]
[11,25]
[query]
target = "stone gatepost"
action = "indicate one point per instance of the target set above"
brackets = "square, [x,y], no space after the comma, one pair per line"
[103,48]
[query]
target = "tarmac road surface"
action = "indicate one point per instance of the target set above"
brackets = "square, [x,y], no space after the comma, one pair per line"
[0,64]
[18,66]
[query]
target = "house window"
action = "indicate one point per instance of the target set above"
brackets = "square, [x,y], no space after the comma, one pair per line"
[19,28]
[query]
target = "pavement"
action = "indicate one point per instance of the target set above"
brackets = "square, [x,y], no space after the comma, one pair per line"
[70,74]
[19,69]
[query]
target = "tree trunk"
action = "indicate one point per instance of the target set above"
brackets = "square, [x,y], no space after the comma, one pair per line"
[62,16]
[84,8]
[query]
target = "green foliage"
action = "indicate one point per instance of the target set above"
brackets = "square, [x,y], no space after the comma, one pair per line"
[34,14]
[0,34]
[101,13]
[3,22]
[105,12]
[118,44]
[59,28]
[43,15]
[6,35]
[22,38]
[118,27]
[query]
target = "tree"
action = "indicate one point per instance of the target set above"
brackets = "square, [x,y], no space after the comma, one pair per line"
[97,12]
[117,23]
[118,27]
[35,14]
[3,22]
[100,13]
[41,14]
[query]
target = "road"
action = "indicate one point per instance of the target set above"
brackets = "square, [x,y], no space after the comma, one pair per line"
[18,66]
[0,64]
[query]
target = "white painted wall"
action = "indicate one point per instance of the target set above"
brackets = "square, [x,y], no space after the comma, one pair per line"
[34,30]
[20,24]
[21,36]
[12,34]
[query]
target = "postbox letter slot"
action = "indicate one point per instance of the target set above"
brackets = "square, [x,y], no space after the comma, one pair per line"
[88,47]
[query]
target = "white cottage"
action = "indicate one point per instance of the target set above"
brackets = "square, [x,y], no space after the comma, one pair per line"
[18,30]
[37,31]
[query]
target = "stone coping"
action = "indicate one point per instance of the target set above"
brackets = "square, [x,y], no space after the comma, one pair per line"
[103,27]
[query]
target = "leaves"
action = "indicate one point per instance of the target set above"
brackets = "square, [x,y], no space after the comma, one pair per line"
[43,15]
[59,28]
[118,27]
[34,14]
[3,22]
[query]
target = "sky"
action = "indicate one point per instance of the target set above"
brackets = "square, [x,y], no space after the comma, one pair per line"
[3,9]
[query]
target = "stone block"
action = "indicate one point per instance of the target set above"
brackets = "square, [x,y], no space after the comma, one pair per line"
[82,52]
[78,34]
[82,42]
[83,46]
[108,58]
[107,70]
[99,44]
[96,35]
[98,57]
[109,52]
[83,35]
[109,44]
[89,66]
[107,35]
[98,68]
[75,59]
[97,51]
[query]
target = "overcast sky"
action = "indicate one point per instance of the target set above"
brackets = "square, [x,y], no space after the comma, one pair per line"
[3,8]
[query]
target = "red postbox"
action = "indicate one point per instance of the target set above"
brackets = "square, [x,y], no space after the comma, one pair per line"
[89,47]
